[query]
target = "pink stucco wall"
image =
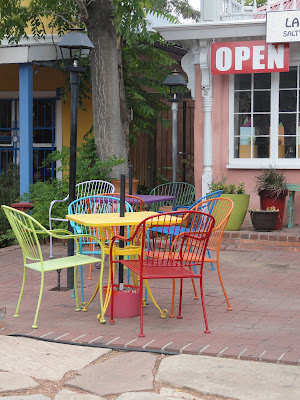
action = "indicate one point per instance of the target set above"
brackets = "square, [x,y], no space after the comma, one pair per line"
[220,122]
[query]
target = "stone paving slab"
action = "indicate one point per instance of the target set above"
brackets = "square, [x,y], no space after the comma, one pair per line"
[43,360]
[243,380]
[144,396]
[125,372]
[12,381]
[27,397]
[69,395]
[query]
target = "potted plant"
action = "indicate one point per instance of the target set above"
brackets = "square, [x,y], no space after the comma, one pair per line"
[240,200]
[264,220]
[272,190]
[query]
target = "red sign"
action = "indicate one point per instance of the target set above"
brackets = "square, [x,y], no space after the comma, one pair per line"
[249,57]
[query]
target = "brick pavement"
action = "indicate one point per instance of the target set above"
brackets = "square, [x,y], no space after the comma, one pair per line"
[264,325]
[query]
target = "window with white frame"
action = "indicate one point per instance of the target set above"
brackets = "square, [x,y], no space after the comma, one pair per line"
[265,120]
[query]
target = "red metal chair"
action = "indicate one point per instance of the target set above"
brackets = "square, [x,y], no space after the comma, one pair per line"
[189,248]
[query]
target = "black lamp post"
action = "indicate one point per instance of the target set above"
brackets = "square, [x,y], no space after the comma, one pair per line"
[175,86]
[75,48]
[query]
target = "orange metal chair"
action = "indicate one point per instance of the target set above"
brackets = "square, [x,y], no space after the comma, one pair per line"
[220,209]
[163,261]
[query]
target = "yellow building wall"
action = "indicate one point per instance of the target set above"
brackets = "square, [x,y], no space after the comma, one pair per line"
[49,79]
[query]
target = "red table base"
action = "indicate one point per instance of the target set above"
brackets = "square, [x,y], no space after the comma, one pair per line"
[126,302]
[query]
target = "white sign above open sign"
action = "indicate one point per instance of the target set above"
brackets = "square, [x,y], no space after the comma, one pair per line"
[283,26]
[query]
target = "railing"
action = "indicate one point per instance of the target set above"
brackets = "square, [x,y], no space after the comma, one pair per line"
[233,10]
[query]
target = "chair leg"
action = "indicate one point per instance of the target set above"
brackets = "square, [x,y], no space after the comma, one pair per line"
[34,326]
[141,309]
[21,294]
[203,306]
[164,312]
[180,301]
[51,245]
[224,291]
[212,265]
[76,291]
[92,247]
[173,299]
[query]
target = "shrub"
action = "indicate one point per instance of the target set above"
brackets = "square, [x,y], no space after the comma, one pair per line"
[9,193]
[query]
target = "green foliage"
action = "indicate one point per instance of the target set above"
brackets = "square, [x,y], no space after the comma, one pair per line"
[228,188]
[89,167]
[271,179]
[144,66]
[9,193]
[41,194]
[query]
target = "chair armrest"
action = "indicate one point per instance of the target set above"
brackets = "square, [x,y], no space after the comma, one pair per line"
[68,235]
[52,204]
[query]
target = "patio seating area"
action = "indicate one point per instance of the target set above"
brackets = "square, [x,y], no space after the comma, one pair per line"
[262,286]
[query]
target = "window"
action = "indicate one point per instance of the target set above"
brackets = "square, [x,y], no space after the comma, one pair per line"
[44,135]
[264,124]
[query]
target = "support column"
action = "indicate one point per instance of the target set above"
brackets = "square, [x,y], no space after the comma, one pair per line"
[174,141]
[207,145]
[207,109]
[26,130]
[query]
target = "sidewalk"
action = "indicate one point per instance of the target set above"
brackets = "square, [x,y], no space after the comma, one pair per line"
[264,324]
[37,370]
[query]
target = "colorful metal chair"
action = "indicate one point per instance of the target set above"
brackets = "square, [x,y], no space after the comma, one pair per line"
[159,262]
[220,208]
[184,195]
[82,189]
[95,205]
[28,231]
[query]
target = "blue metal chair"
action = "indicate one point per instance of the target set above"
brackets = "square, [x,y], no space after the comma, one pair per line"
[95,205]
[176,230]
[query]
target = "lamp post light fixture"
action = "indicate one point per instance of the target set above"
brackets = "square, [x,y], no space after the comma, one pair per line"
[175,86]
[75,49]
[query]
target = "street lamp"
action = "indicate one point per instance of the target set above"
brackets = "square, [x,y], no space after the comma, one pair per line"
[175,86]
[75,49]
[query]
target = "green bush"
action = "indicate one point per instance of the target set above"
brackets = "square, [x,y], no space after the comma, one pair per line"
[9,193]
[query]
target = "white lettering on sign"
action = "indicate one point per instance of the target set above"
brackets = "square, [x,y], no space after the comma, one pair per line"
[258,57]
[224,58]
[248,57]
[275,57]
[241,54]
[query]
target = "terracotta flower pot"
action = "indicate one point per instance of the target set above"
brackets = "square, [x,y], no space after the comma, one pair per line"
[117,185]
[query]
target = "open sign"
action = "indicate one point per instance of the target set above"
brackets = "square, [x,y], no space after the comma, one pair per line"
[249,57]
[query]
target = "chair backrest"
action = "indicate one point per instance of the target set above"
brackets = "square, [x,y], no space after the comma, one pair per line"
[136,203]
[189,246]
[25,227]
[96,205]
[220,208]
[184,194]
[208,196]
[90,188]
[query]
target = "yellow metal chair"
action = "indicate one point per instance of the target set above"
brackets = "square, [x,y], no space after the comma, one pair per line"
[27,231]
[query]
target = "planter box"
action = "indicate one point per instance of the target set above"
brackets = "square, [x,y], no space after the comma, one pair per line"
[236,219]
[117,185]
[264,221]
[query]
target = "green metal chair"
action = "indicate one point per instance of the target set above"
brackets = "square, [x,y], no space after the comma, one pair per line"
[27,231]
[184,195]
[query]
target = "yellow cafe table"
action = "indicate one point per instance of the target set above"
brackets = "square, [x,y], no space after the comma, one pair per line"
[104,222]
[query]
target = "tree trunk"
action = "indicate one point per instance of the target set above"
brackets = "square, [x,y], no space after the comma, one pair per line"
[110,111]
